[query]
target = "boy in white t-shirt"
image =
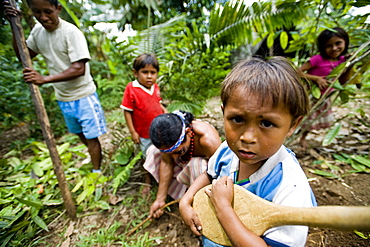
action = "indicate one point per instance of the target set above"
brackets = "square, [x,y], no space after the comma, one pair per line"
[66,54]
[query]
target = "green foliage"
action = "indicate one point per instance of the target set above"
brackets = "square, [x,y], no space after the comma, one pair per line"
[91,183]
[15,96]
[330,136]
[362,235]
[110,236]
[198,79]
[357,162]
[29,191]
[122,174]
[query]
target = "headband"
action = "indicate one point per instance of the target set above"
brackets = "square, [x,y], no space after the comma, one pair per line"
[182,136]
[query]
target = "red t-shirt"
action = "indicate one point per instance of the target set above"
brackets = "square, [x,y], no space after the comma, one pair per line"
[145,105]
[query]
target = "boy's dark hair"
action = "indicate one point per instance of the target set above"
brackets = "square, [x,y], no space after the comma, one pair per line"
[52,2]
[145,59]
[328,34]
[166,129]
[274,81]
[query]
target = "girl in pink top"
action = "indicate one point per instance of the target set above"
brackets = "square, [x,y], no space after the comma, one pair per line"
[332,45]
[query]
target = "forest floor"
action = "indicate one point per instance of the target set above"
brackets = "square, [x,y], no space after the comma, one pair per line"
[349,188]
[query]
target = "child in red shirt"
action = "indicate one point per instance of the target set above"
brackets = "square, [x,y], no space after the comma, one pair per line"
[141,103]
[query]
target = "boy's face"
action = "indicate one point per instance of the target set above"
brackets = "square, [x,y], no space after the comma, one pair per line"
[146,76]
[255,132]
[46,13]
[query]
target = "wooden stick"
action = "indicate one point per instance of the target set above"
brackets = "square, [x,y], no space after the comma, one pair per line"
[42,116]
[149,218]
[258,215]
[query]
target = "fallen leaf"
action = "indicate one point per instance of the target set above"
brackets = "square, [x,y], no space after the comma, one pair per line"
[69,230]
[66,243]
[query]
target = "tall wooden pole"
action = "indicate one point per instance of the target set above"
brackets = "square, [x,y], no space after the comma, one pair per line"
[42,116]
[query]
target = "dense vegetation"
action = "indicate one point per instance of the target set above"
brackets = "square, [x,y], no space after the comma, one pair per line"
[197,43]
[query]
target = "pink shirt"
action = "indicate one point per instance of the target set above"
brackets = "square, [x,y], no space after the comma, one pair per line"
[145,105]
[323,67]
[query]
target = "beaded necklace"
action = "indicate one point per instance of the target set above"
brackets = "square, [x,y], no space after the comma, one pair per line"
[189,154]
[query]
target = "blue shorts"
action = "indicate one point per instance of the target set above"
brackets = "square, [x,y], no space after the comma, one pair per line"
[144,145]
[84,116]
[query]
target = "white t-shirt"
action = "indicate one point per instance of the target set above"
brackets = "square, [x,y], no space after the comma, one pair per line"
[60,48]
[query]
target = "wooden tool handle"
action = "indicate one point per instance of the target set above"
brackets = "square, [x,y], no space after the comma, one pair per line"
[338,217]
[258,215]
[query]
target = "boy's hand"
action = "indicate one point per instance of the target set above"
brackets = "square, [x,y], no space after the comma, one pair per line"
[221,193]
[135,137]
[32,76]
[155,210]
[10,11]
[190,217]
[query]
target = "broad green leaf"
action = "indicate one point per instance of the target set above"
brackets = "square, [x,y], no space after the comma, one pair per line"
[62,148]
[90,190]
[34,204]
[358,167]
[270,40]
[316,93]
[103,205]
[338,86]
[81,196]
[340,158]
[344,97]
[45,164]
[331,135]
[123,158]
[41,146]
[40,222]
[14,161]
[324,173]
[37,170]
[335,72]
[98,193]
[4,201]
[6,211]
[112,68]
[77,186]
[283,40]
[70,12]
[362,160]
[77,148]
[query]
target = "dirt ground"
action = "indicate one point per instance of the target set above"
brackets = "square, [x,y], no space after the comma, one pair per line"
[351,189]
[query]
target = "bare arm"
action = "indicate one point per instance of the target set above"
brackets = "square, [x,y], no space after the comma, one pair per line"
[187,212]
[165,177]
[209,139]
[221,195]
[76,69]
[320,81]
[134,135]
[164,109]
